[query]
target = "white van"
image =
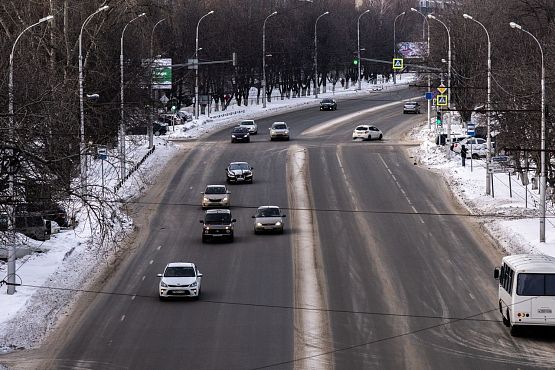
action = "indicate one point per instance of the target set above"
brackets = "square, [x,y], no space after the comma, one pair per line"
[526,290]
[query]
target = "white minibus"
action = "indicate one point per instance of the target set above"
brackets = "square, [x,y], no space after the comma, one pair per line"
[526,290]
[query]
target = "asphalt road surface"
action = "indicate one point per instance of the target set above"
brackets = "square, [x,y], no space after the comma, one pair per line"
[377,268]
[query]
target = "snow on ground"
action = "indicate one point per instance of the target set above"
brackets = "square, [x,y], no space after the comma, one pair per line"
[71,258]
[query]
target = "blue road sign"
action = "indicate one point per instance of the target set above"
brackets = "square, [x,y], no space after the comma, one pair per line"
[429,95]
[471,129]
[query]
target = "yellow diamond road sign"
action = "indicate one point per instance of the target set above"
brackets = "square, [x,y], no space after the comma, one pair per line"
[397,63]
[442,100]
[442,89]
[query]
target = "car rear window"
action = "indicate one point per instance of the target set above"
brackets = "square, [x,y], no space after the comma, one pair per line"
[362,128]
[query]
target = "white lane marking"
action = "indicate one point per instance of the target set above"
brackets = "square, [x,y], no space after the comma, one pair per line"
[133,298]
[311,328]
[158,247]
[350,117]
[150,262]
[122,318]
[401,189]
[144,277]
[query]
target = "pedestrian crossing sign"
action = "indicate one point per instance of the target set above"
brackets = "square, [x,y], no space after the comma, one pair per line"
[397,64]
[441,100]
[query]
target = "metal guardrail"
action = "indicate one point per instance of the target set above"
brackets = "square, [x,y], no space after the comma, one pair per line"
[134,168]
[228,114]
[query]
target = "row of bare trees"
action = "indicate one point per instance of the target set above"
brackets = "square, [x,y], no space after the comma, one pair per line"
[42,147]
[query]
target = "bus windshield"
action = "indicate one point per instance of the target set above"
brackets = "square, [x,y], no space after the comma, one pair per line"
[535,284]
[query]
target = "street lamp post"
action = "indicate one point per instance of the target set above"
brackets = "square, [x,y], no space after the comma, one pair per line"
[11,189]
[488,109]
[358,45]
[395,45]
[122,124]
[264,59]
[316,86]
[448,76]
[82,147]
[429,80]
[197,64]
[542,139]
[149,126]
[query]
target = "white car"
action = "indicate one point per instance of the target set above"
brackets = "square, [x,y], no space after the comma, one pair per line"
[475,147]
[367,132]
[180,279]
[215,196]
[251,125]
[279,130]
[268,218]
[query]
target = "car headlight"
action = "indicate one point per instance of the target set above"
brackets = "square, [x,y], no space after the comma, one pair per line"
[259,224]
[206,227]
[227,227]
[162,284]
[247,134]
[205,199]
[193,284]
[233,136]
[278,223]
[224,200]
[287,132]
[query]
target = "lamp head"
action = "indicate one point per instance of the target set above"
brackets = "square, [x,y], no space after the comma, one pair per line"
[105,7]
[403,13]
[274,13]
[47,18]
[366,11]
[211,12]
[514,25]
[466,16]
[326,13]
[414,10]
[142,14]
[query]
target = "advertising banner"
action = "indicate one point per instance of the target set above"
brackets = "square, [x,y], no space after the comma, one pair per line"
[161,73]
[412,49]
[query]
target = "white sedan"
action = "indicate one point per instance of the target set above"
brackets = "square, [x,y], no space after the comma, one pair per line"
[251,125]
[180,279]
[367,132]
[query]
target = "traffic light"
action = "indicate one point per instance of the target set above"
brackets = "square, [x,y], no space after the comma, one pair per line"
[438,118]
[355,61]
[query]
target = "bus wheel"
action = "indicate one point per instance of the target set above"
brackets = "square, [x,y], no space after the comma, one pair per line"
[515,331]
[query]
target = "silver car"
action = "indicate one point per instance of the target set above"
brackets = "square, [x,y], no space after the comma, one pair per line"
[268,218]
[215,196]
[279,130]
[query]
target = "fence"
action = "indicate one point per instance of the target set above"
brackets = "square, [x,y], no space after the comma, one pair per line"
[134,168]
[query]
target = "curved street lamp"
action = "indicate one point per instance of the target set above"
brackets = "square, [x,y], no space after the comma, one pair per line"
[122,125]
[82,147]
[264,59]
[542,139]
[197,65]
[358,45]
[429,80]
[395,44]
[316,86]
[11,190]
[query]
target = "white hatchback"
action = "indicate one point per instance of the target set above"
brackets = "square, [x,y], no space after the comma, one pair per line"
[367,132]
[251,125]
[179,279]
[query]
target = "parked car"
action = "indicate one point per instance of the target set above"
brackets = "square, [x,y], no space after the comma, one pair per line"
[250,125]
[215,196]
[411,107]
[158,128]
[185,116]
[268,218]
[367,132]
[217,225]
[441,139]
[328,104]
[279,130]
[239,172]
[475,147]
[179,279]
[170,119]
[240,134]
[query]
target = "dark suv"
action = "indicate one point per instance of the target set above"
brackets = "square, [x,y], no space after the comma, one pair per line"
[217,224]
[328,104]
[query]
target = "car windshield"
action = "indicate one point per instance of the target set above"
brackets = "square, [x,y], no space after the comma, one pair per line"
[179,271]
[327,101]
[410,104]
[280,126]
[362,128]
[268,212]
[239,166]
[239,130]
[247,123]
[215,190]
[217,218]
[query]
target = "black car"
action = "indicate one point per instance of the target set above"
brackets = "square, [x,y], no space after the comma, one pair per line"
[240,134]
[158,128]
[239,172]
[217,225]
[328,104]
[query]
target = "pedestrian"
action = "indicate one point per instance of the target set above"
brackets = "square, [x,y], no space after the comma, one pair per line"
[463,154]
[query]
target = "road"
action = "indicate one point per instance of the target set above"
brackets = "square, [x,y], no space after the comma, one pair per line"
[377,267]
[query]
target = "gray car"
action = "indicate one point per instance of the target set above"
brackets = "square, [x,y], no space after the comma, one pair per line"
[215,196]
[411,107]
[279,131]
[268,219]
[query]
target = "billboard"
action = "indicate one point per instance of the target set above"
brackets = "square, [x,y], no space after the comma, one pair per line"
[412,49]
[161,73]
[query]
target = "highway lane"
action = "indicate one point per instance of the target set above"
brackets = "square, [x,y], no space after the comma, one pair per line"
[377,259]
